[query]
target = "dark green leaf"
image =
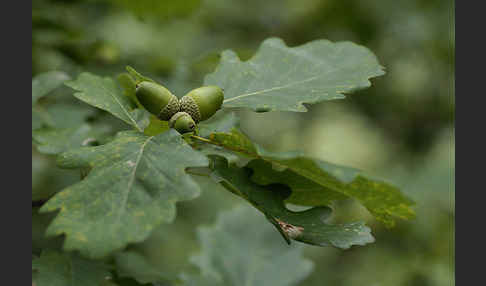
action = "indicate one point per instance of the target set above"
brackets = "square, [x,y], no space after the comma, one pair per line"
[307,226]
[283,78]
[304,191]
[242,249]
[67,269]
[44,83]
[316,182]
[105,94]
[133,186]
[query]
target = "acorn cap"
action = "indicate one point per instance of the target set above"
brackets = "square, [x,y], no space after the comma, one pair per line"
[182,122]
[203,102]
[157,99]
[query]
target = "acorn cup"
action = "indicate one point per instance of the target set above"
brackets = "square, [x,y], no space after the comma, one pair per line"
[182,122]
[157,99]
[203,102]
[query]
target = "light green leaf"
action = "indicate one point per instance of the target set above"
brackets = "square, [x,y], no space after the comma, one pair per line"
[105,94]
[67,269]
[283,78]
[138,77]
[242,249]
[134,265]
[44,83]
[307,226]
[315,182]
[132,187]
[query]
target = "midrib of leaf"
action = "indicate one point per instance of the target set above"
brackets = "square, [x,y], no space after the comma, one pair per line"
[122,107]
[286,85]
[130,182]
[271,89]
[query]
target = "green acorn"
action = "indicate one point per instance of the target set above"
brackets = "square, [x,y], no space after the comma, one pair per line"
[182,122]
[203,102]
[157,99]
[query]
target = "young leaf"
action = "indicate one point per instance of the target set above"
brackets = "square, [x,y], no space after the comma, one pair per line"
[315,182]
[307,226]
[44,83]
[132,187]
[242,249]
[138,77]
[283,78]
[105,94]
[67,269]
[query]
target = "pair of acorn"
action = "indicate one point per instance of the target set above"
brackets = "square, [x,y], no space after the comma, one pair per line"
[183,115]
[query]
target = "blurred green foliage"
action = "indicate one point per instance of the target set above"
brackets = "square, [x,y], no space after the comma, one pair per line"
[401,128]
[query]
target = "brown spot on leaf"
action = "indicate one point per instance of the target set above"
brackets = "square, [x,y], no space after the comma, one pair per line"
[292,231]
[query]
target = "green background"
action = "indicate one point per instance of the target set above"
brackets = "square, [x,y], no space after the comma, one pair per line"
[401,128]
